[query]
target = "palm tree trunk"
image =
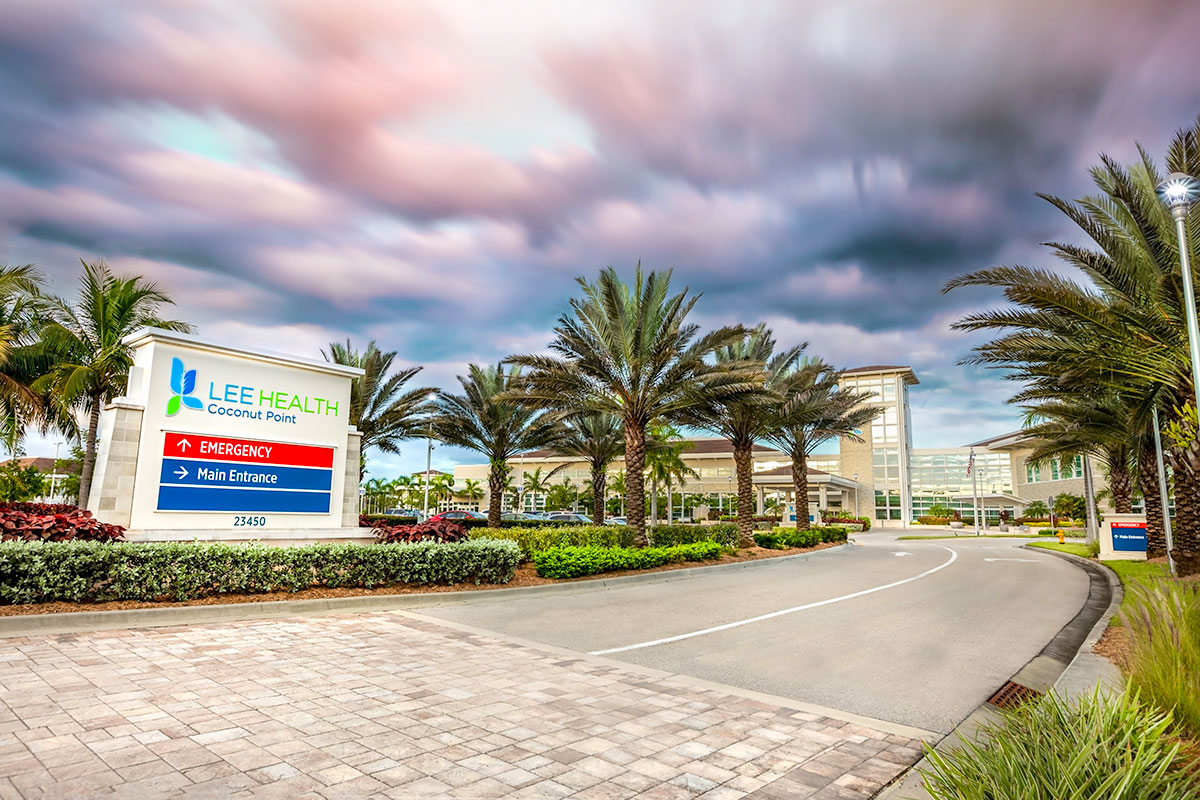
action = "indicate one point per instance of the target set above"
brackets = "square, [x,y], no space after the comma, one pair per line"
[635,481]
[800,487]
[1156,538]
[495,495]
[89,452]
[670,501]
[599,495]
[1120,483]
[743,464]
[1185,466]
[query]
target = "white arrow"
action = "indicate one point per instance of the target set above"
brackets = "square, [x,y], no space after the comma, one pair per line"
[184,444]
[901,554]
[1023,560]
[181,473]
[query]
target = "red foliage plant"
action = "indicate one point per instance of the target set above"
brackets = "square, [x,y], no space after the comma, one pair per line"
[53,522]
[441,531]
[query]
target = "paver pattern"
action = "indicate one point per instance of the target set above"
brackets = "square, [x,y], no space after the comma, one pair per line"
[386,705]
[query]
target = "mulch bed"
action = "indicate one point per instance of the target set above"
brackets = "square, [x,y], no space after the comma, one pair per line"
[524,576]
[1114,645]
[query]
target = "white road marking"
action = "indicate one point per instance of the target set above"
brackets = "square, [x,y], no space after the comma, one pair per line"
[901,554]
[1022,560]
[773,614]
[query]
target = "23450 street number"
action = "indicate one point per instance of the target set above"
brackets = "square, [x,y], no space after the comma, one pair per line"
[249,522]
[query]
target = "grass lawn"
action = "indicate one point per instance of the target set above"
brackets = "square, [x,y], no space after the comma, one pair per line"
[1074,548]
[1130,572]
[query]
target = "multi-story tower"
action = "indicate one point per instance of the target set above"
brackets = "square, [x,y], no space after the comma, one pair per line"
[882,459]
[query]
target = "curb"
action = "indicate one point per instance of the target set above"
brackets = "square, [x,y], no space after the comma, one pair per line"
[82,621]
[1043,672]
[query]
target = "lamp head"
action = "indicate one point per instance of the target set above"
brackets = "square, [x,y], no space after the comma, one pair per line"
[1179,190]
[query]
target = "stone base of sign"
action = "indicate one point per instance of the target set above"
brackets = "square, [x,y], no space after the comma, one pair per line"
[278,537]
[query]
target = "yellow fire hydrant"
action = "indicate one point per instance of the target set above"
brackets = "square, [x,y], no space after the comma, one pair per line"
[1061,538]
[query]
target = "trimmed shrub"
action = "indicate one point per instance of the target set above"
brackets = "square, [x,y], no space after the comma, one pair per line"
[928,520]
[545,537]
[723,533]
[833,517]
[53,522]
[40,572]
[572,562]
[440,531]
[783,538]
[375,520]
[774,520]
[1096,749]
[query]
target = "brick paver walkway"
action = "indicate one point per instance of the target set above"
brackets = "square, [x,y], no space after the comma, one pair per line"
[383,704]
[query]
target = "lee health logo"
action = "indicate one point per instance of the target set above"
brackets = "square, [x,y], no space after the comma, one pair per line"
[183,383]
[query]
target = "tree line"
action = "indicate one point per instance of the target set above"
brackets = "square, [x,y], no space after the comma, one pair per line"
[624,363]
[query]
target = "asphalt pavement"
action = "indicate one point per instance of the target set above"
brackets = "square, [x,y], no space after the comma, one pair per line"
[913,632]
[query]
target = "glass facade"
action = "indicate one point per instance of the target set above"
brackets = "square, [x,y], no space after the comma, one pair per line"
[1054,471]
[891,441]
[938,477]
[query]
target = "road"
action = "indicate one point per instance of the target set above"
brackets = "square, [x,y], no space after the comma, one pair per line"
[913,632]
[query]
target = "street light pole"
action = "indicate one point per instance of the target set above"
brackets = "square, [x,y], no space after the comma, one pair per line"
[856,494]
[428,457]
[1180,191]
[1162,491]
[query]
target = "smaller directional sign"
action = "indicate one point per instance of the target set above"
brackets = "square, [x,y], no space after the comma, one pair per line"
[218,473]
[178,472]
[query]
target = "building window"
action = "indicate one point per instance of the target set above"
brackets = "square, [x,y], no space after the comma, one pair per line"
[1053,470]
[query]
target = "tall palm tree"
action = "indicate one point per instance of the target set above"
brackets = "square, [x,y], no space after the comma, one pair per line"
[1123,328]
[746,419]
[814,410]
[487,419]
[630,352]
[86,340]
[382,410]
[597,440]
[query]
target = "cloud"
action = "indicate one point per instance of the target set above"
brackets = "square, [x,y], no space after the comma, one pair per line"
[435,175]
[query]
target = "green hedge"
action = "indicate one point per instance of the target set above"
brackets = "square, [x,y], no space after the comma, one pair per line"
[35,572]
[723,533]
[783,538]
[533,540]
[571,562]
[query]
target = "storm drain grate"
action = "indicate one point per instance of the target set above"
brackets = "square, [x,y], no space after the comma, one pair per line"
[1011,695]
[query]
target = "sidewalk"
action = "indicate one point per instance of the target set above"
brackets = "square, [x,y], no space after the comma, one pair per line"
[392,705]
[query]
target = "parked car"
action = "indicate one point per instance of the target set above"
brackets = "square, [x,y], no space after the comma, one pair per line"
[405,512]
[615,521]
[584,518]
[518,516]
[457,516]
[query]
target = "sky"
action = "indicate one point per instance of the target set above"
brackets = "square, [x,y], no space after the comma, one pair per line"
[434,176]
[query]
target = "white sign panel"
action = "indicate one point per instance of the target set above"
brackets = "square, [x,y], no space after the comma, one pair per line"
[236,439]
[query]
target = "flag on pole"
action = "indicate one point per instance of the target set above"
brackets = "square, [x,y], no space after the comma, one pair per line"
[970,463]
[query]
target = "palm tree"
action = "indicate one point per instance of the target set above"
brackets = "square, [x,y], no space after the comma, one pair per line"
[536,482]
[20,404]
[380,407]
[1123,329]
[472,491]
[745,419]
[665,465]
[86,340]
[630,352]
[617,485]
[814,410]
[497,425]
[1037,509]
[597,440]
